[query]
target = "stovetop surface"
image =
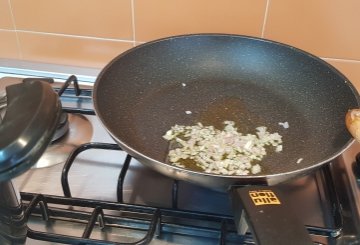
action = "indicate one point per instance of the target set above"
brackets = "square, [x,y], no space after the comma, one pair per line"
[94,175]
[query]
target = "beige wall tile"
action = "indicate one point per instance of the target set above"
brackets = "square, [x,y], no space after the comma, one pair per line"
[8,47]
[97,18]
[59,49]
[351,69]
[5,15]
[325,28]
[160,18]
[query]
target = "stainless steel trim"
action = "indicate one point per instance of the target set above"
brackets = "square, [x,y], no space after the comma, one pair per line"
[19,68]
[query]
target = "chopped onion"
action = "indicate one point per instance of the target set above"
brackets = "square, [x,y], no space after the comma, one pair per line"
[224,151]
[299,160]
[284,124]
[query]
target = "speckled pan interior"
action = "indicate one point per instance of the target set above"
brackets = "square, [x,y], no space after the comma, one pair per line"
[254,82]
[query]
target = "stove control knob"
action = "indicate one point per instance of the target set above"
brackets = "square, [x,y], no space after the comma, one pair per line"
[356,168]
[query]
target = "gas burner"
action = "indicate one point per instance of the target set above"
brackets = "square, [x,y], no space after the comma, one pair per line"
[3,102]
[62,128]
[73,130]
[2,99]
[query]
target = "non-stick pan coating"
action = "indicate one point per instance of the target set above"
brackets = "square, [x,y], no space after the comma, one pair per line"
[254,82]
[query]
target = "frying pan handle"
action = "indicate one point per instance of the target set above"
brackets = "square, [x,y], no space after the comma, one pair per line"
[268,216]
[32,115]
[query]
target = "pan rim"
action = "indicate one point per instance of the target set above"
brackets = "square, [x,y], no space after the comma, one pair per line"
[136,154]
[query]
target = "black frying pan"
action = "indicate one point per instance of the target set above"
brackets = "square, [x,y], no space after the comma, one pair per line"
[251,81]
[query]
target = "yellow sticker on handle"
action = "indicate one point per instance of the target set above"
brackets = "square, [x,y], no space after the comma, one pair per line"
[264,197]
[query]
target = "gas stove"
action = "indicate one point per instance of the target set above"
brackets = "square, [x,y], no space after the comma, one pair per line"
[86,190]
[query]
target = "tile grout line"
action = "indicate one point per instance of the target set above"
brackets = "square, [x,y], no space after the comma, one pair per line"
[131,41]
[15,30]
[133,22]
[75,36]
[340,60]
[265,18]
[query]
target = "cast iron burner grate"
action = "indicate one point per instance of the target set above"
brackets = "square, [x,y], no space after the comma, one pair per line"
[151,221]
[144,222]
